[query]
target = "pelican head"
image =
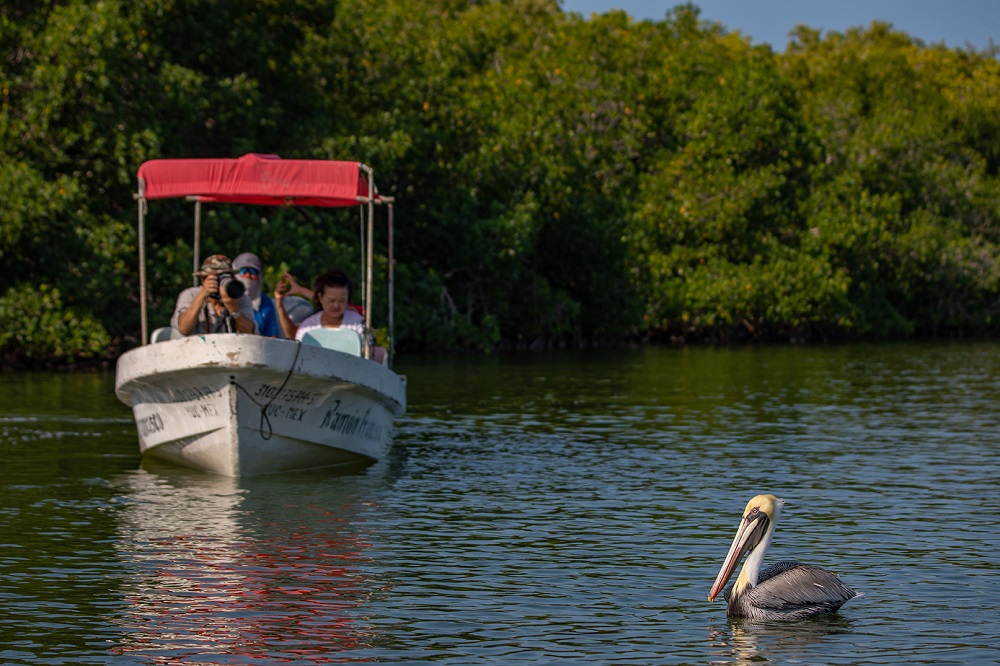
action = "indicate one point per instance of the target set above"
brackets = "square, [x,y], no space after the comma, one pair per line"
[752,539]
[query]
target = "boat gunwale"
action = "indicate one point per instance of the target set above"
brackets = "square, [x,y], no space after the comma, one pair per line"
[233,352]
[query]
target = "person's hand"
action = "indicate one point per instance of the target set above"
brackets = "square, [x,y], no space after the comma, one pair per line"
[282,287]
[232,304]
[294,287]
[210,284]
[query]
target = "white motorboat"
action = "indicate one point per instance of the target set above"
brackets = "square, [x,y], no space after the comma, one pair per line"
[242,405]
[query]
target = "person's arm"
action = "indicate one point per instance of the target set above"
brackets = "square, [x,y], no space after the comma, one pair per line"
[242,310]
[288,327]
[187,317]
[296,289]
[244,324]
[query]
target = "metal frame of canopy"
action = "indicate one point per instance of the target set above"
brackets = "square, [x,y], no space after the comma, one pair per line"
[266,180]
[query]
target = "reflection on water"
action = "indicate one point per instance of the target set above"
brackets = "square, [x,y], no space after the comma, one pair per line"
[252,569]
[536,509]
[745,642]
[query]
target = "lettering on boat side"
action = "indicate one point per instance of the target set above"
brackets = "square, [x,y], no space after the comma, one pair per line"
[286,412]
[288,395]
[150,424]
[196,393]
[198,411]
[355,423]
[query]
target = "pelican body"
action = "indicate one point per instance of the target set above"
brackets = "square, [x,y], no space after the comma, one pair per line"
[783,591]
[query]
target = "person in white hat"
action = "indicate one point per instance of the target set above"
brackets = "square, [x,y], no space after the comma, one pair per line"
[250,272]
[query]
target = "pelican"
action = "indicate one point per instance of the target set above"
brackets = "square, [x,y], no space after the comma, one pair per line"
[783,591]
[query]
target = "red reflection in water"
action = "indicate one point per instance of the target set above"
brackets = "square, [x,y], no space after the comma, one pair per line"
[208,578]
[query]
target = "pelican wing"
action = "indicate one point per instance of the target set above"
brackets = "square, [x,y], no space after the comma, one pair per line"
[799,590]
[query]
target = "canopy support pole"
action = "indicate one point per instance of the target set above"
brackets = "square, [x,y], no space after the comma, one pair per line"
[141,197]
[392,262]
[197,243]
[370,259]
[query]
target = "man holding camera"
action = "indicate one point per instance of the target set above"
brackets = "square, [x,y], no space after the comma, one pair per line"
[219,305]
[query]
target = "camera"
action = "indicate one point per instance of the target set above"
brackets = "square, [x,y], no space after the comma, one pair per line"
[229,284]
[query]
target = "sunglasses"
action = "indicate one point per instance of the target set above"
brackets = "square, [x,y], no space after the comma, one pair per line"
[252,272]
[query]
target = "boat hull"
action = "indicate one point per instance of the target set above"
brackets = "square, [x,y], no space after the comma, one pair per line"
[244,405]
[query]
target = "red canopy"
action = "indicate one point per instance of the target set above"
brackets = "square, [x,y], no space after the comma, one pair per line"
[265,180]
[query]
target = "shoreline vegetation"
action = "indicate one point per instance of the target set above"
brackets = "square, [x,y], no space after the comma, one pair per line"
[560,181]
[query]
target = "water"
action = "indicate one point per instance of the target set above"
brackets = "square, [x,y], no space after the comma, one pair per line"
[538,509]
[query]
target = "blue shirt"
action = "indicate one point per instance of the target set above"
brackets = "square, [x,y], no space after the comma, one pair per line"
[267,317]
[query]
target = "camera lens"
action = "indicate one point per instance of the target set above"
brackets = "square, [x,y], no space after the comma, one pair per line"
[233,287]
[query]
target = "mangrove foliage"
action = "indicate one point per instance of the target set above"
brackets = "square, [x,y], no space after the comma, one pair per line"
[559,179]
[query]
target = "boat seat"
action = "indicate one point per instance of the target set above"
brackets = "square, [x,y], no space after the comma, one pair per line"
[297,308]
[340,339]
[164,333]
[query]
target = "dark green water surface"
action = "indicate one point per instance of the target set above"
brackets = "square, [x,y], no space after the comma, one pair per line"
[551,509]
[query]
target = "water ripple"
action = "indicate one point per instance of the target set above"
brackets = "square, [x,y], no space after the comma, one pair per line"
[557,509]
